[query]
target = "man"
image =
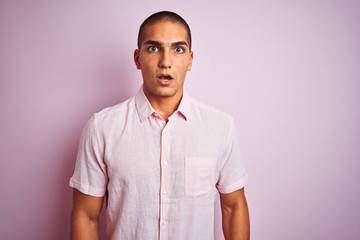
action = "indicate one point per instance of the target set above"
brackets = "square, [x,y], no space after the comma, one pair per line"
[160,156]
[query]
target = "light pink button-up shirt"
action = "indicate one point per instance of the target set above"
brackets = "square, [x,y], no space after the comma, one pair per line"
[160,178]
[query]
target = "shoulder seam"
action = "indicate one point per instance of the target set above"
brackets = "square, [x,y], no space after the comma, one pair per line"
[115,108]
[205,106]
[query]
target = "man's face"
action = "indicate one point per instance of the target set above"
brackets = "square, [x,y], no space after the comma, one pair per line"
[164,58]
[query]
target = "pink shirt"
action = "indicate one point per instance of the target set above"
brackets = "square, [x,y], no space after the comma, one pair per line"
[160,178]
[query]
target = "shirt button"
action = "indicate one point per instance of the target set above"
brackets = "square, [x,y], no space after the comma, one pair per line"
[163,223]
[164,193]
[165,163]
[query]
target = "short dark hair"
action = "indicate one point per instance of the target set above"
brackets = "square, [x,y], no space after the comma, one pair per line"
[170,16]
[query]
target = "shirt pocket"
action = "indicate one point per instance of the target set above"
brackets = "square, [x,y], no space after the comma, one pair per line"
[199,175]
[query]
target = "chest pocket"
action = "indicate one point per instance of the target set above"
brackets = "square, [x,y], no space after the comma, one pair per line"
[199,175]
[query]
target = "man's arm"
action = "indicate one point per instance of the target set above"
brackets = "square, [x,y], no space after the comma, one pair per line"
[85,216]
[235,216]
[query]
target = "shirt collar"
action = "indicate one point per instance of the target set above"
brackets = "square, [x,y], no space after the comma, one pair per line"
[184,106]
[145,109]
[143,106]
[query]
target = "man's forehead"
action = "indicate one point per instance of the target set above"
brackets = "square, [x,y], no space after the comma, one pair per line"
[166,32]
[161,24]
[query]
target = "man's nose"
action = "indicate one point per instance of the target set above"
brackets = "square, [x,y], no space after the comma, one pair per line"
[165,60]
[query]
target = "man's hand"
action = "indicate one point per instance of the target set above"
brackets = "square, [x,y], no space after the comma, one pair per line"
[235,216]
[85,216]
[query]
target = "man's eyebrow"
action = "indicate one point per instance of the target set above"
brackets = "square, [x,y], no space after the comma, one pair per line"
[179,43]
[156,43]
[151,42]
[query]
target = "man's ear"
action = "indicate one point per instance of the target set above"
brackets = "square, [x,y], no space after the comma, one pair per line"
[191,60]
[136,58]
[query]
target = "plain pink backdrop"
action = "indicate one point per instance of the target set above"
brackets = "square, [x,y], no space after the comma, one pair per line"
[287,71]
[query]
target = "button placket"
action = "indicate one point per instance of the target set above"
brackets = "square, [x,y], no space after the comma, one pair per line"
[165,183]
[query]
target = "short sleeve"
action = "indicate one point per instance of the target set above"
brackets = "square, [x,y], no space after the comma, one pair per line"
[233,174]
[90,175]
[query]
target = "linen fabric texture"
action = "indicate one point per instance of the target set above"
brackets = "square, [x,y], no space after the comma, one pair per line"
[160,178]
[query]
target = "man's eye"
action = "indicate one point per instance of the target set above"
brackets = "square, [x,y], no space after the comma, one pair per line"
[153,49]
[179,50]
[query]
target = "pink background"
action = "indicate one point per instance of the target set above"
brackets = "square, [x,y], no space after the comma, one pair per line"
[287,71]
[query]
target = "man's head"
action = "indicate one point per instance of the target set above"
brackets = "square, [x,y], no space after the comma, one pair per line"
[160,16]
[163,55]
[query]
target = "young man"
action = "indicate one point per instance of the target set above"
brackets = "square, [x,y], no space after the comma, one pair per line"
[160,156]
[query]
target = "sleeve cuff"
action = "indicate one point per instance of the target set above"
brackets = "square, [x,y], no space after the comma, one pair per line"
[235,186]
[86,189]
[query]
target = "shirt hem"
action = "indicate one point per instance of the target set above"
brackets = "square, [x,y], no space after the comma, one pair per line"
[235,186]
[86,189]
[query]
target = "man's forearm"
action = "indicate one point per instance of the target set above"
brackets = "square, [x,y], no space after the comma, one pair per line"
[236,224]
[84,228]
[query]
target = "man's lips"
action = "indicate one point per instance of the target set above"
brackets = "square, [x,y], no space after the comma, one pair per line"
[164,79]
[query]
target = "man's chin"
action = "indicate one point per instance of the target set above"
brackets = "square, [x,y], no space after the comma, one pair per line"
[166,92]
[163,92]
[165,95]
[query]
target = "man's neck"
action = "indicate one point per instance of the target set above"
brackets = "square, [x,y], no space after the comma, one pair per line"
[165,106]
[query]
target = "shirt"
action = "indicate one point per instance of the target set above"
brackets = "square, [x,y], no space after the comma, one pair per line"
[160,178]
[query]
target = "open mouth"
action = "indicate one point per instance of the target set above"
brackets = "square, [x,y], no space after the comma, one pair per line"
[165,77]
